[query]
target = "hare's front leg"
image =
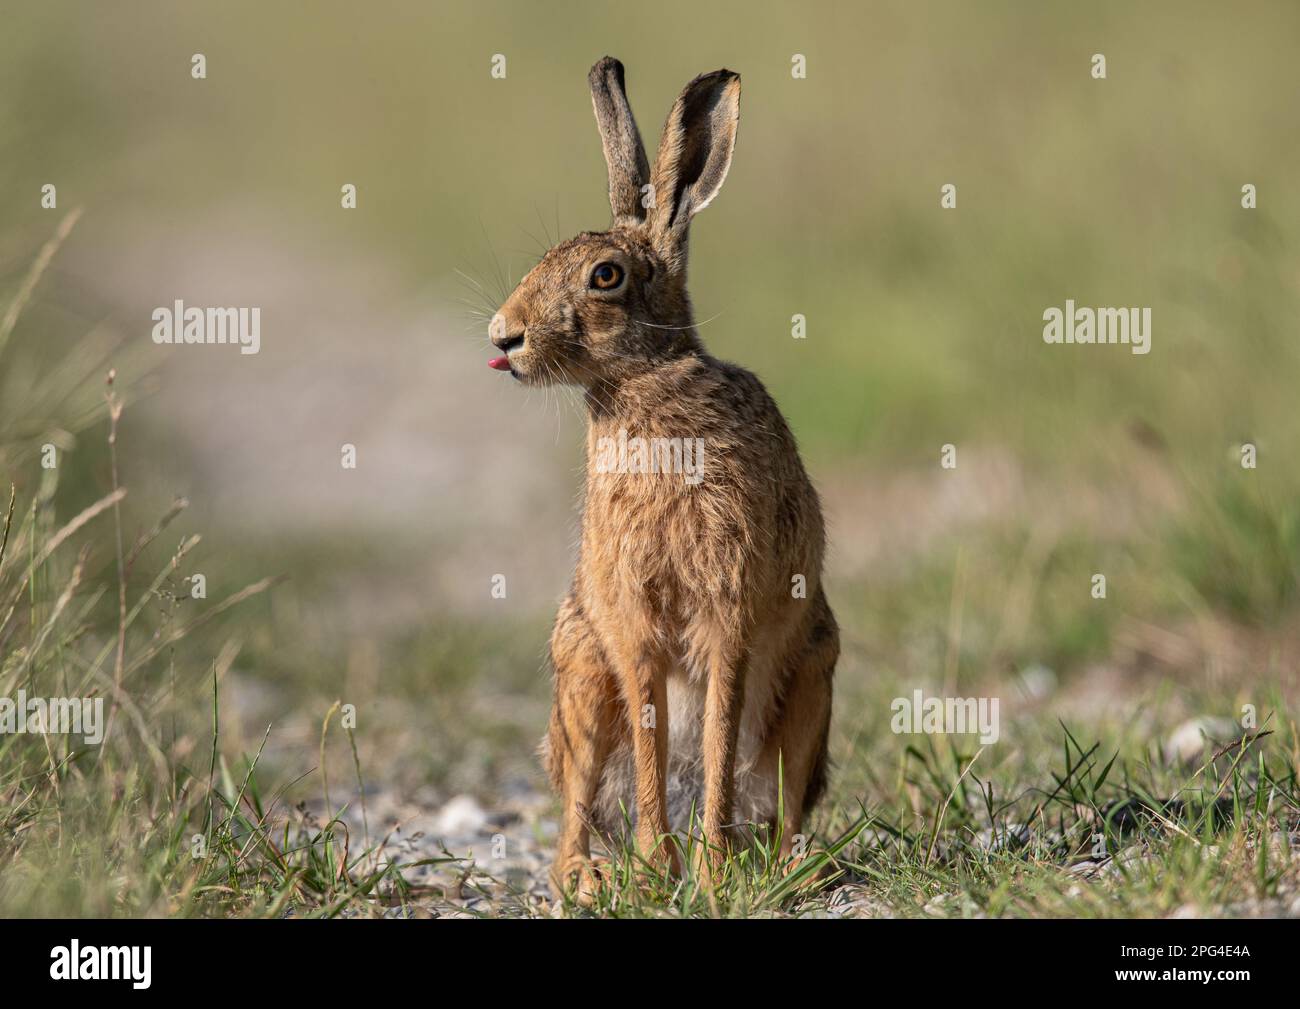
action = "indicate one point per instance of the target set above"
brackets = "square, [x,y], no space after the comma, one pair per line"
[723,704]
[642,672]
[585,720]
[646,686]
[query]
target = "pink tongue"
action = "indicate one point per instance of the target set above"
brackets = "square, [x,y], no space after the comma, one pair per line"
[500,363]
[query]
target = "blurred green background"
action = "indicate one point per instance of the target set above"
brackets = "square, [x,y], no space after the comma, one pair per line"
[924,328]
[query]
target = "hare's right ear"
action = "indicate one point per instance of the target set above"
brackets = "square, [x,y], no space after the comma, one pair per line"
[624,153]
[693,159]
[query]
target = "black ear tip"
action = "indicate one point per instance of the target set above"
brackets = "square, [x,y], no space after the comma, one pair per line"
[607,68]
[715,79]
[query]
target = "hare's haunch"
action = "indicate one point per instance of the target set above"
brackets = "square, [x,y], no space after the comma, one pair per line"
[694,653]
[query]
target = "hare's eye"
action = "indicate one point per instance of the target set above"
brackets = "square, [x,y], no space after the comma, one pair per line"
[606,276]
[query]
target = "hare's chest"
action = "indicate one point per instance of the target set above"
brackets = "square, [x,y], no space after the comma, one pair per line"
[644,530]
[671,555]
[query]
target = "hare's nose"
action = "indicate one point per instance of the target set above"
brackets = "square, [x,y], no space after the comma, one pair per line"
[506,340]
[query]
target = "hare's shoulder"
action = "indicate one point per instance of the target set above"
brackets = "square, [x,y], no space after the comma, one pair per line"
[717,402]
[721,386]
[739,402]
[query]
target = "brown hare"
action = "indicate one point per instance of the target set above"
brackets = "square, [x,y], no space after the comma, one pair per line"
[693,655]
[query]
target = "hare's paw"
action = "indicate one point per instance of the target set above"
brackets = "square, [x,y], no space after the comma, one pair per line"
[581,878]
[796,863]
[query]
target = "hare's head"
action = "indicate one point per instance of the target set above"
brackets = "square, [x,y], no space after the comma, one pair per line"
[607,305]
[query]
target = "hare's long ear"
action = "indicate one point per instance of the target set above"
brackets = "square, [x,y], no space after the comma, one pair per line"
[693,158]
[624,153]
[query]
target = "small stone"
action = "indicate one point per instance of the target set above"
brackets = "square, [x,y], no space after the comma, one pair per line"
[1188,743]
[852,900]
[461,816]
[1037,682]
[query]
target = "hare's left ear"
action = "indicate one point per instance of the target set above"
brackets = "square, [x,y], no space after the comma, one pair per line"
[694,155]
[624,153]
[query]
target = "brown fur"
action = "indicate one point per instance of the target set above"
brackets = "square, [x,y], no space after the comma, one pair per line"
[682,603]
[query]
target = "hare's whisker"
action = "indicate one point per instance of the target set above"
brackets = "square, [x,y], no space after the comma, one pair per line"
[503,284]
[694,325]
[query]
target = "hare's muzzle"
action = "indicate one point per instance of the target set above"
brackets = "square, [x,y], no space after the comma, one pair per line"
[505,338]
